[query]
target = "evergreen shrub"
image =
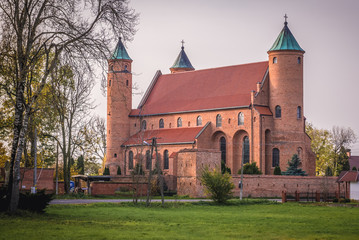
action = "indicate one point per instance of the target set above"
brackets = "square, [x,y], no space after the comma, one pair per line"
[250,168]
[277,171]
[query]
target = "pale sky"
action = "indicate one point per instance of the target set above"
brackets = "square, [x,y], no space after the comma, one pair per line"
[230,32]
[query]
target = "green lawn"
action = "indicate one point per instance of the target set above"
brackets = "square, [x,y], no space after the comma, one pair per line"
[249,220]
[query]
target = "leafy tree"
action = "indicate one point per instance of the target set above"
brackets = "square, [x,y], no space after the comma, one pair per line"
[217,185]
[328,172]
[80,165]
[277,171]
[250,168]
[293,167]
[36,35]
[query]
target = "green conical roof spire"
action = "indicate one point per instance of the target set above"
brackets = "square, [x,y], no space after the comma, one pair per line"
[120,51]
[182,60]
[285,40]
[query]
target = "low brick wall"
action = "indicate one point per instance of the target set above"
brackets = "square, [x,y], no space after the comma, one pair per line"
[109,188]
[273,185]
[45,179]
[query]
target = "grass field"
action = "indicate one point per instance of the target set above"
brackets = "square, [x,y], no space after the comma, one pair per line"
[246,220]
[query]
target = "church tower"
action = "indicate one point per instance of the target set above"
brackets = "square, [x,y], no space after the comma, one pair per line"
[286,96]
[119,105]
[182,62]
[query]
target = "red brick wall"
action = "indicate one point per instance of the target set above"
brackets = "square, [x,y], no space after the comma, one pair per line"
[45,178]
[272,186]
[109,188]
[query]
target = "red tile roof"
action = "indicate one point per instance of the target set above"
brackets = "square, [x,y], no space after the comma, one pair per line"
[263,110]
[204,89]
[348,176]
[354,162]
[166,136]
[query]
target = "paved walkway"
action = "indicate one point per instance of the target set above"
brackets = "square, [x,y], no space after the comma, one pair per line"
[85,201]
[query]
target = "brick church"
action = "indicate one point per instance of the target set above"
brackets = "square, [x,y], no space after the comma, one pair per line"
[250,112]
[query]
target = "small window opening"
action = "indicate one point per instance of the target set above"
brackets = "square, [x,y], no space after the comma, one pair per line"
[299,60]
[109,83]
[275,60]
[126,83]
[115,155]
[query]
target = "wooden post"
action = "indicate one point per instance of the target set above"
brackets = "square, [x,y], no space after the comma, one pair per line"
[284,196]
[297,198]
[317,196]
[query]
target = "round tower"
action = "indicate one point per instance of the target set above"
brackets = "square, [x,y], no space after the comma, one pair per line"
[119,105]
[286,82]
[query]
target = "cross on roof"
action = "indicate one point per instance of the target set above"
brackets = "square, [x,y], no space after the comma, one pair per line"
[182,42]
[285,17]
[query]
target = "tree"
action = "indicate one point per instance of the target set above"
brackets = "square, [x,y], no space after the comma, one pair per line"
[250,168]
[321,144]
[217,185]
[277,171]
[37,35]
[342,139]
[293,167]
[80,165]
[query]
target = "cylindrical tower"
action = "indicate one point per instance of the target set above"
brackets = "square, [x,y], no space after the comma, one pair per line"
[119,105]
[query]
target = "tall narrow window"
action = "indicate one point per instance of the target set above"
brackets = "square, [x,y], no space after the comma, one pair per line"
[126,83]
[219,121]
[240,118]
[199,121]
[275,60]
[144,125]
[130,160]
[125,67]
[275,157]
[222,146]
[161,123]
[299,60]
[148,159]
[179,122]
[109,83]
[278,112]
[166,163]
[299,112]
[245,147]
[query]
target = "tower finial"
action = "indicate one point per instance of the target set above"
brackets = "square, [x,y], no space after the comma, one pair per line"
[182,44]
[285,19]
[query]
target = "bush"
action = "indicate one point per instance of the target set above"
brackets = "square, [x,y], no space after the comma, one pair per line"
[250,168]
[224,168]
[354,168]
[219,187]
[3,200]
[277,171]
[35,202]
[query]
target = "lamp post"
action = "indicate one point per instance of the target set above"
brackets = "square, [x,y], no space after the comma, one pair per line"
[241,185]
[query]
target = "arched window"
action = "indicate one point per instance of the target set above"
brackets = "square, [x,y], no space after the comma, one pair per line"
[179,122]
[240,118]
[130,160]
[219,121]
[299,112]
[125,67]
[199,121]
[115,155]
[275,60]
[148,159]
[161,123]
[278,112]
[275,157]
[299,60]
[166,163]
[222,146]
[144,125]
[245,147]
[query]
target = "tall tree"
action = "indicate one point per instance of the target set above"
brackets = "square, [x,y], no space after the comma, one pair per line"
[38,33]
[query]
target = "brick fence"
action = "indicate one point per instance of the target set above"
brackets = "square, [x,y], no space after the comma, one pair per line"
[273,185]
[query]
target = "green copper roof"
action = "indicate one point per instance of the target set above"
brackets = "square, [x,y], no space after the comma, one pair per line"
[120,52]
[286,41]
[182,61]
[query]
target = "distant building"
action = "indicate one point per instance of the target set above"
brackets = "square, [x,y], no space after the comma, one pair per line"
[250,112]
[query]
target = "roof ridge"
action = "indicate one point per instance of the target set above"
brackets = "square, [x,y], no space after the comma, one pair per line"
[206,69]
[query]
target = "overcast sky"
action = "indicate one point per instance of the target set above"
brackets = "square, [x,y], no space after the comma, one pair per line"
[230,32]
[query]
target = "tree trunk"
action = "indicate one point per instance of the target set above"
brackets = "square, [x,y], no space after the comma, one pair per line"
[16,176]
